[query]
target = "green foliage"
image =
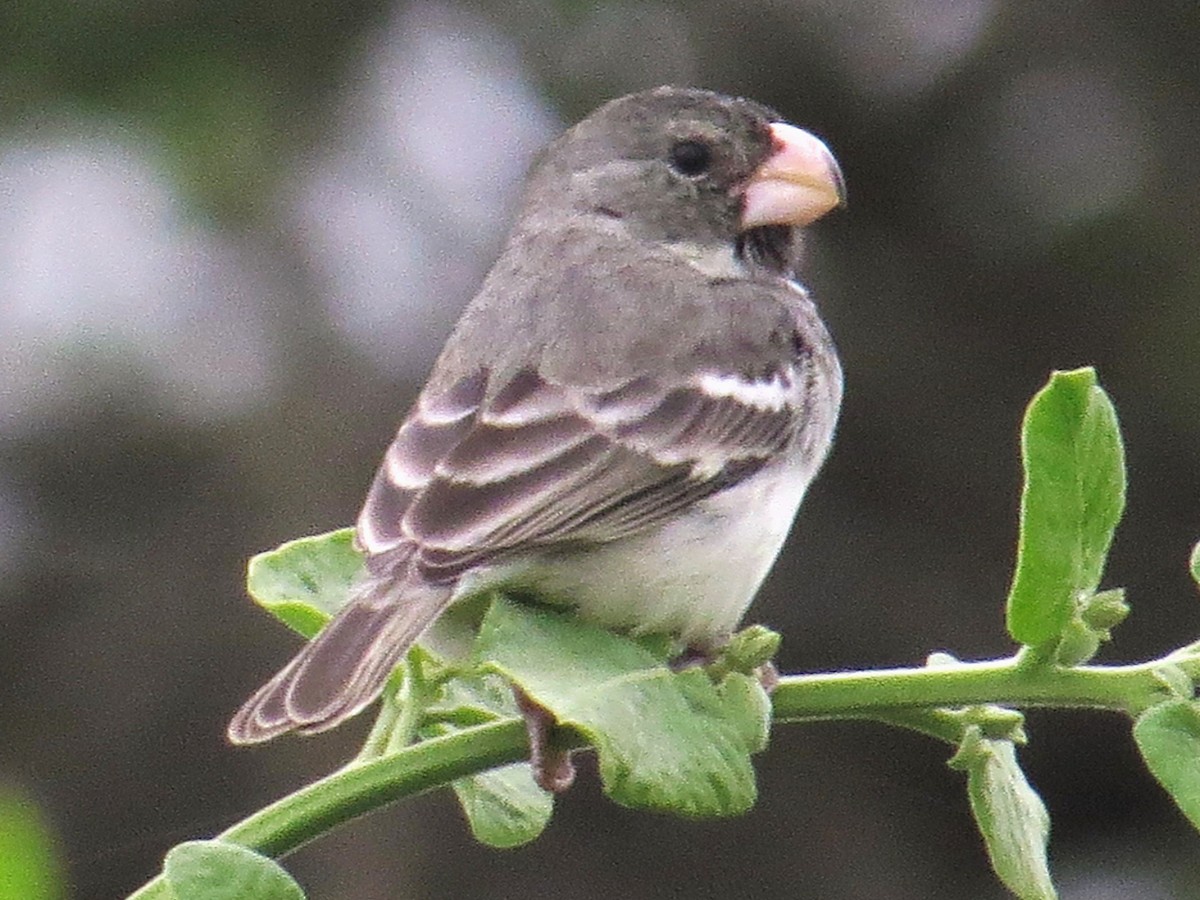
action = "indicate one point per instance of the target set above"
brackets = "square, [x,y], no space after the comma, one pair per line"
[215,870]
[304,582]
[1010,814]
[667,741]
[674,742]
[681,742]
[1073,497]
[29,866]
[1168,735]
[504,806]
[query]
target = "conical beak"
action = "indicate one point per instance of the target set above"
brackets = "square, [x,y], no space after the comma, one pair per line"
[797,184]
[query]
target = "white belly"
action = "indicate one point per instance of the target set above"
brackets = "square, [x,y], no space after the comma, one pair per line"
[693,578]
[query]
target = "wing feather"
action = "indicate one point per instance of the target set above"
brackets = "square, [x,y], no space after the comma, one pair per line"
[538,464]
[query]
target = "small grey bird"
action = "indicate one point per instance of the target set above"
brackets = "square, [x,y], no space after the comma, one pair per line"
[625,418]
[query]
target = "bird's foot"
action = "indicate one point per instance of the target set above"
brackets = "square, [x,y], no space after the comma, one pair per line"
[553,769]
[768,676]
[692,657]
[737,656]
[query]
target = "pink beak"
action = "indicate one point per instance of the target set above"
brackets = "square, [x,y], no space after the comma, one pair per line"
[799,182]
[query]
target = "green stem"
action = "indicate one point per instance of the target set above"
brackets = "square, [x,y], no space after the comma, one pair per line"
[350,792]
[412,701]
[912,698]
[939,724]
[1007,682]
[390,710]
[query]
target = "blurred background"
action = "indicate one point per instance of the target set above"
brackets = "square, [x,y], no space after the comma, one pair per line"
[233,236]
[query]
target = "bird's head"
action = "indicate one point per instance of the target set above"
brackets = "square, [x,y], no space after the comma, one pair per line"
[691,168]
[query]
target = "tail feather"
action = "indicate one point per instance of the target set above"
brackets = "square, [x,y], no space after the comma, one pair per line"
[344,668]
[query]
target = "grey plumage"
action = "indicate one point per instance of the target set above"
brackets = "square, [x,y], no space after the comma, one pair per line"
[636,365]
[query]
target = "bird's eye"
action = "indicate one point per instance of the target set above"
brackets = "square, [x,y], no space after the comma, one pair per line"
[690,158]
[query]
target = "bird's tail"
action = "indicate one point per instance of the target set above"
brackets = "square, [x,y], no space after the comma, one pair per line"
[344,667]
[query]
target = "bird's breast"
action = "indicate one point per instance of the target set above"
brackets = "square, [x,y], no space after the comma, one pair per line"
[693,577]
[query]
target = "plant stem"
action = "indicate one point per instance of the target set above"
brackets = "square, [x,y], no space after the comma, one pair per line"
[412,701]
[385,721]
[350,792]
[913,698]
[1007,682]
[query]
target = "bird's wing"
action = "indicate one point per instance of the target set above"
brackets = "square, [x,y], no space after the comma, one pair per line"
[477,474]
[483,471]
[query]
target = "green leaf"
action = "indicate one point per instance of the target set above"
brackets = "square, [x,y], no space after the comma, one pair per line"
[1195,564]
[1077,643]
[1168,736]
[304,582]
[1072,500]
[504,806]
[1009,813]
[667,741]
[1105,611]
[1091,624]
[747,652]
[29,867]
[216,870]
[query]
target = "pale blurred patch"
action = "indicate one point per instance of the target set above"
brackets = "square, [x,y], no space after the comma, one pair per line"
[895,49]
[1054,147]
[404,214]
[1069,144]
[1111,868]
[104,282]
[627,47]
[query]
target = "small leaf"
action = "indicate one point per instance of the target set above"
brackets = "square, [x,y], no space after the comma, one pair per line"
[1077,644]
[666,741]
[304,582]
[504,807]
[216,870]
[1072,500]
[29,866]
[1105,611]
[1010,815]
[749,651]
[752,647]
[1168,736]
[744,696]
[1195,564]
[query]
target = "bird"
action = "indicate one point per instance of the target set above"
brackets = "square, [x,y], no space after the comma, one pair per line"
[627,415]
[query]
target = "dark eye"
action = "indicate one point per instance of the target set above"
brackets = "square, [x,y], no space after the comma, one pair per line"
[690,158]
